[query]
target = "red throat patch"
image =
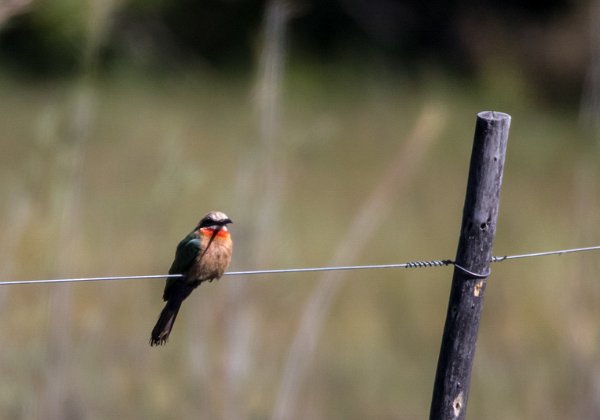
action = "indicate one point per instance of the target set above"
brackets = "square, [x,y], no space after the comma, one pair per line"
[223,233]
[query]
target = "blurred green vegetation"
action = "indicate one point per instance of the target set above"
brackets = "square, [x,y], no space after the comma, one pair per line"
[160,153]
[102,172]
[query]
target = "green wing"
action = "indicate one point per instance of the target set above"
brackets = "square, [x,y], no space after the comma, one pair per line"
[186,253]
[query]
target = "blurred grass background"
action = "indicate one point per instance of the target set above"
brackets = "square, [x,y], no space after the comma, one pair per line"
[118,134]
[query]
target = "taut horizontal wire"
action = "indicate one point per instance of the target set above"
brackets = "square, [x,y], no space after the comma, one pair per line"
[413,264]
[543,254]
[81,279]
[230,273]
[313,269]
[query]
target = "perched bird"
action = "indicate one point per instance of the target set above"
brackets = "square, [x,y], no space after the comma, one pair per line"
[201,256]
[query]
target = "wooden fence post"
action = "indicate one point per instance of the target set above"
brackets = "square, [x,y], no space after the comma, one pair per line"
[451,387]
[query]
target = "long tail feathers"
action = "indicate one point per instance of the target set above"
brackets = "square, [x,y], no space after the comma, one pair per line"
[162,329]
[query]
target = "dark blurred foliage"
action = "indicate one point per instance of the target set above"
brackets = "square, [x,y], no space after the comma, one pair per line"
[410,28]
[224,34]
[214,33]
[43,40]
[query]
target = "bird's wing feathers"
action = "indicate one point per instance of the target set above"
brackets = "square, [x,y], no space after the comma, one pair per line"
[187,251]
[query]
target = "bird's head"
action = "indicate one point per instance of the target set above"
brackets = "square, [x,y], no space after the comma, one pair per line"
[214,220]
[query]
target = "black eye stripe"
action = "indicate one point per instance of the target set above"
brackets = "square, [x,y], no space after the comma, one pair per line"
[211,222]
